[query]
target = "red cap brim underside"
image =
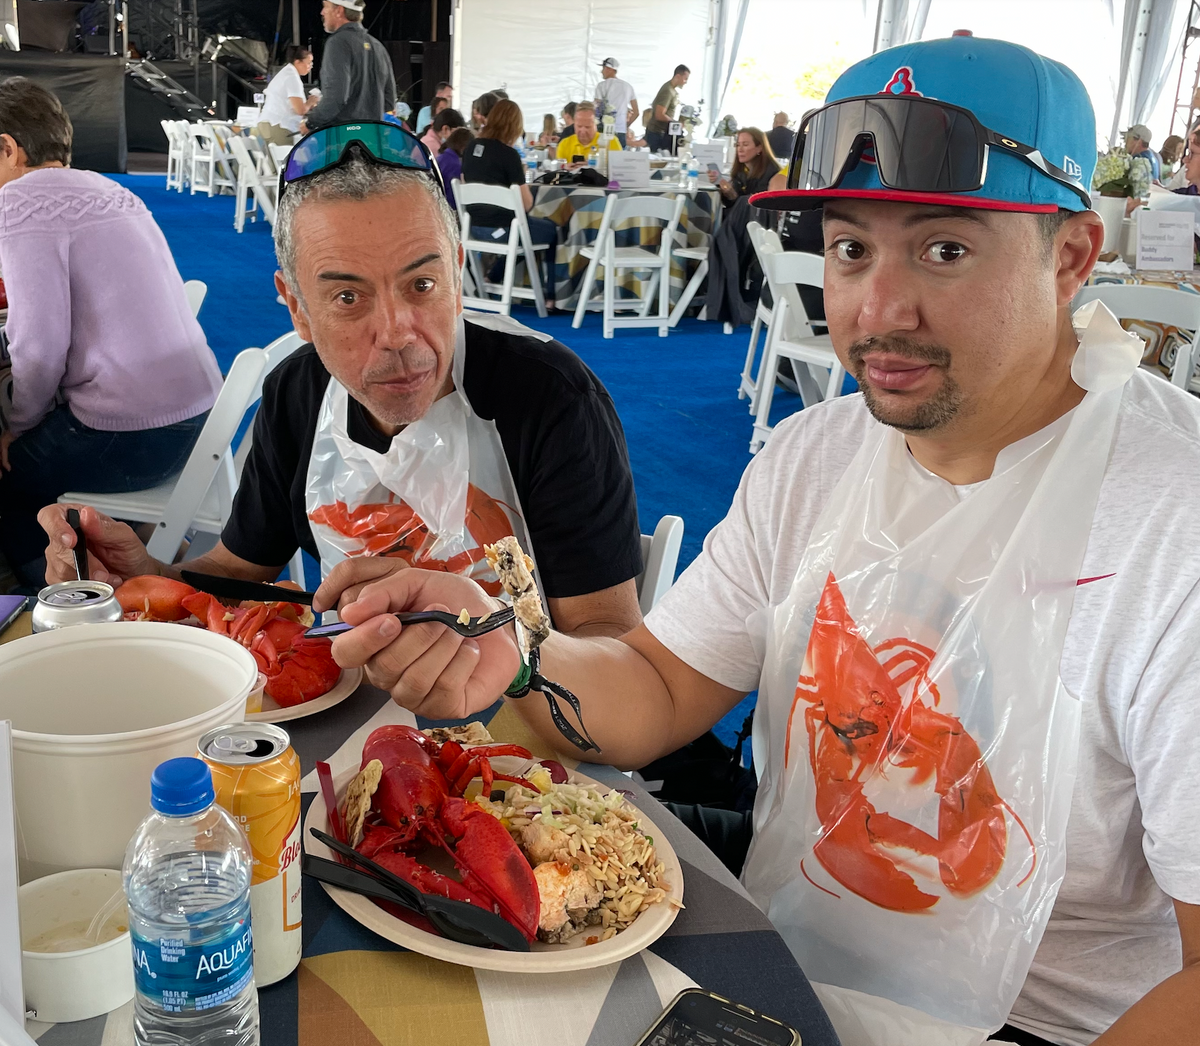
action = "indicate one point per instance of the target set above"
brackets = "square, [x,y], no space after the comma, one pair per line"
[807,199]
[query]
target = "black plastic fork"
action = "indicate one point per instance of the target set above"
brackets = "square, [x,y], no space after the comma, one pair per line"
[470,629]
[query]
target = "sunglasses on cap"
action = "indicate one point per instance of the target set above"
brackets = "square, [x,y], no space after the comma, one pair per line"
[917,145]
[384,143]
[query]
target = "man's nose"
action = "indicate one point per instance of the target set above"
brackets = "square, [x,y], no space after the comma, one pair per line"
[396,321]
[887,299]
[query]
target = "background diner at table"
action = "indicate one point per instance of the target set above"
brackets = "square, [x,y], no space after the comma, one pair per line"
[954,798]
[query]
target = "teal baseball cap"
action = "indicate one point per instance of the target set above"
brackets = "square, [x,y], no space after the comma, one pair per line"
[961,121]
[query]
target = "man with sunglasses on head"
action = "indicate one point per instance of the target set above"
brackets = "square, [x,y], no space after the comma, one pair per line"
[406,433]
[977,666]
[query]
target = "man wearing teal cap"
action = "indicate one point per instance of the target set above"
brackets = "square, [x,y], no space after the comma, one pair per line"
[976,664]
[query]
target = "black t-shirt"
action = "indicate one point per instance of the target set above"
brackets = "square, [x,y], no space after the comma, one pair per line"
[781,140]
[561,435]
[490,161]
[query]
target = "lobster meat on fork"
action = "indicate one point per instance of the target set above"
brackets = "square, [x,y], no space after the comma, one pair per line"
[859,725]
[409,792]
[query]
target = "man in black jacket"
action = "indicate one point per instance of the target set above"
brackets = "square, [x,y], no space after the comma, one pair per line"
[357,82]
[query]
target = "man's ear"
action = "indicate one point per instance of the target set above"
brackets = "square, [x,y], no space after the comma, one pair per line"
[1076,248]
[295,307]
[10,150]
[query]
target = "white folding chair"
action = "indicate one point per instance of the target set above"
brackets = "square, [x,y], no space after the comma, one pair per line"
[197,291]
[660,554]
[278,154]
[748,383]
[656,260]
[515,246]
[174,155]
[790,336]
[254,193]
[201,497]
[1164,305]
[202,163]
[698,254]
[226,165]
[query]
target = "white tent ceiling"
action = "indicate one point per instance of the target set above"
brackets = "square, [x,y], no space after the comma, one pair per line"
[549,53]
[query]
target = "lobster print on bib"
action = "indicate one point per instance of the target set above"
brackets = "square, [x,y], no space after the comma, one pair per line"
[441,492]
[917,747]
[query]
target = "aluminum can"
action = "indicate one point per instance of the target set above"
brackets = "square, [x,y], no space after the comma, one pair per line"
[75,603]
[256,776]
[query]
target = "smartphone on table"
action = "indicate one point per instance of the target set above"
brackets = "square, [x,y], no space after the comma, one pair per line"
[10,609]
[699,1018]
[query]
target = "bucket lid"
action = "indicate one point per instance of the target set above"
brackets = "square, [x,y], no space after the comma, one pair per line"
[180,787]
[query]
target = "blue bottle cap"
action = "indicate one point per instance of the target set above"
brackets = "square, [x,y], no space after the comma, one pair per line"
[180,787]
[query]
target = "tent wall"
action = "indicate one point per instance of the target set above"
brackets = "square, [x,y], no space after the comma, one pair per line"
[547,55]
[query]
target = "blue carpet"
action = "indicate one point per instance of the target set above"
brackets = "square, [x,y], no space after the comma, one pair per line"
[688,433]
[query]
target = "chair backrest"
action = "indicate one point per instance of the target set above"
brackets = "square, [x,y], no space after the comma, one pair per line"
[783,270]
[660,556]
[497,195]
[665,209]
[210,456]
[247,168]
[196,291]
[279,153]
[202,134]
[278,351]
[1131,301]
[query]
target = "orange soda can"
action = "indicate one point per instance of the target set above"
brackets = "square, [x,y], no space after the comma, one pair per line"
[256,776]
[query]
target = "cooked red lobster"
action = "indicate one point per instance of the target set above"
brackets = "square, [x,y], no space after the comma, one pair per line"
[297,668]
[414,786]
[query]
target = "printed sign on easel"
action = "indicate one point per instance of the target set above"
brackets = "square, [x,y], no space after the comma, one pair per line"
[1165,240]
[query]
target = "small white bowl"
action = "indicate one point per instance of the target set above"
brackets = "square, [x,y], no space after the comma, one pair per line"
[74,985]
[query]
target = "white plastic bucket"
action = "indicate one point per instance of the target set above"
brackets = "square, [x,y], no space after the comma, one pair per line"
[73,985]
[94,710]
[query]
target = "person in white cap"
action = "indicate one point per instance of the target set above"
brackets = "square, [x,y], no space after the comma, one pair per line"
[357,82]
[615,96]
[1137,143]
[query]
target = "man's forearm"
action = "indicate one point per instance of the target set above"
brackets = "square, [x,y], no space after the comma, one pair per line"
[1169,1012]
[639,700]
[626,705]
[221,563]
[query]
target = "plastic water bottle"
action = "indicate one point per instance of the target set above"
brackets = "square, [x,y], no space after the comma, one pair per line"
[531,166]
[187,882]
[693,173]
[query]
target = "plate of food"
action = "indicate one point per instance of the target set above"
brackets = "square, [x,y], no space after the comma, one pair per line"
[267,710]
[586,876]
[297,673]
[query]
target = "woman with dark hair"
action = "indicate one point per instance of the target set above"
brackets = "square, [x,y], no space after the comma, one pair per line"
[753,168]
[568,119]
[285,102]
[481,108]
[449,160]
[439,130]
[491,159]
[112,375]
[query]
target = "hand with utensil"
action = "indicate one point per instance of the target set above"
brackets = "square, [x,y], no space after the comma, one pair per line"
[438,674]
[426,667]
[114,551]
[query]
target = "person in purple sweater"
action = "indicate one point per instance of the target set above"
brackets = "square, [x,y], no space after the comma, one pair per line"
[112,375]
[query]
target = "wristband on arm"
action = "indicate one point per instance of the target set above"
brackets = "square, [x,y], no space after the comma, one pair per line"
[529,678]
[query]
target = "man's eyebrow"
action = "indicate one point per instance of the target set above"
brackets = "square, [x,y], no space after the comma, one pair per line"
[349,277]
[423,260]
[925,214]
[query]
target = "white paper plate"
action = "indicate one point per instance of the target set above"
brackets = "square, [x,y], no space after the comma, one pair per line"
[271,712]
[542,958]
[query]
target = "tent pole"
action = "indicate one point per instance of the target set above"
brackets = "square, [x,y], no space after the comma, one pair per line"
[295,21]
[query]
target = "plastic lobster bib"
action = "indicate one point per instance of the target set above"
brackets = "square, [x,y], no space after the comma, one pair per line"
[918,748]
[441,492]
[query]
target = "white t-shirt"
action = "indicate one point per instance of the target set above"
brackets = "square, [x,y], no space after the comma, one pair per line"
[277,107]
[1132,655]
[616,94]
